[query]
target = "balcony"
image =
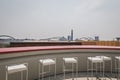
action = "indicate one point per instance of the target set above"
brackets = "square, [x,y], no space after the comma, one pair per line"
[32,55]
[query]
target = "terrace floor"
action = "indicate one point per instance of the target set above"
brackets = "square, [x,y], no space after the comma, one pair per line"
[82,76]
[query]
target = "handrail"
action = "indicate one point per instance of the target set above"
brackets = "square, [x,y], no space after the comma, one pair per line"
[43,48]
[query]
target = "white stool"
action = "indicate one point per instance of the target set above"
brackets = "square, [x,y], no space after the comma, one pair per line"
[46,62]
[117,66]
[17,68]
[71,60]
[106,58]
[90,65]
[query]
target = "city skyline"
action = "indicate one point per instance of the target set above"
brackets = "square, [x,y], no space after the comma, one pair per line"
[39,19]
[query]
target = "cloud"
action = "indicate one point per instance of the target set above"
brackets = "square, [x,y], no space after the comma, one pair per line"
[93,4]
[87,5]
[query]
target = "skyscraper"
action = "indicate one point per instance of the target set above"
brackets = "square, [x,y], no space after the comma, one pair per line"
[72,35]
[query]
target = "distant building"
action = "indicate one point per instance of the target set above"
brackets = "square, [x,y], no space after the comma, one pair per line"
[69,38]
[62,39]
[118,38]
[96,38]
[54,39]
[72,35]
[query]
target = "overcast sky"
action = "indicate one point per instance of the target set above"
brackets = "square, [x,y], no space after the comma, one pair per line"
[50,18]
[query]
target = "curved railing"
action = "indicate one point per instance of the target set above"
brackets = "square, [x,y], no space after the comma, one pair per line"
[41,48]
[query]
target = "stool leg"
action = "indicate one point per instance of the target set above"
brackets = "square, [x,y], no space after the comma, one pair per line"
[6,75]
[103,70]
[72,71]
[87,68]
[42,71]
[111,67]
[21,75]
[115,68]
[27,74]
[100,68]
[96,71]
[55,69]
[76,70]
[49,71]
[118,69]
[64,69]
[39,70]
[92,71]
[101,65]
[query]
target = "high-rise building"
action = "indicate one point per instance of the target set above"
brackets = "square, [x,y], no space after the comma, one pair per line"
[72,35]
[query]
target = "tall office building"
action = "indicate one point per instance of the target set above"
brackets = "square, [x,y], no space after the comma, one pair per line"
[72,35]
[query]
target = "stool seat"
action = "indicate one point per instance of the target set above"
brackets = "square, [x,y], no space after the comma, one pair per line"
[104,58]
[70,60]
[95,59]
[117,57]
[16,68]
[47,62]
[10,69]
[117,67]
[44,63]
[73,62]
[95,65]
